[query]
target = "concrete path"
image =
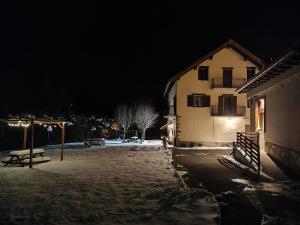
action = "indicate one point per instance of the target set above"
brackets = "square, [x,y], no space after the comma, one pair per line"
[269,201]
[206,167]
[270,168]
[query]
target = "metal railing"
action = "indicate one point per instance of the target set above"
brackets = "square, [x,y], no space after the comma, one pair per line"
[247,144]
[238,111]
[218,82]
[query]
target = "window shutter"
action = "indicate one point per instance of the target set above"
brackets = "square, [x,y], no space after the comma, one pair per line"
[207,101]
[234,104]
[190,100]
[220,105]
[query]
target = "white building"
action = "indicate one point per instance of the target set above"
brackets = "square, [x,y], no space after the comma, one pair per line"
[202,100]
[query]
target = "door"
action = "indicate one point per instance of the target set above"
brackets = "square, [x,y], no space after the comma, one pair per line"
[227,105]
[227,77]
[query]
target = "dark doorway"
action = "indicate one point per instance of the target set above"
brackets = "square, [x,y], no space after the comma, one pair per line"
[227,77]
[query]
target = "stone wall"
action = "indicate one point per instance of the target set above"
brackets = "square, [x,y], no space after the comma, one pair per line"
[288,157]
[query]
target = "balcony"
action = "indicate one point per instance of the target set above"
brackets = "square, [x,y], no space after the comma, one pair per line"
[219,82]
[219,111]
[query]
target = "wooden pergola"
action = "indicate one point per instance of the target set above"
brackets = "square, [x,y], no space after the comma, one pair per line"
[26,122]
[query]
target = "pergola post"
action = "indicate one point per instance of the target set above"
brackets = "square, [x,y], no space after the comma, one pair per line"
[62,141]
[25,138]
[31,144]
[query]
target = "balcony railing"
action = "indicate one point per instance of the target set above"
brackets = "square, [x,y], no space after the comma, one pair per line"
[225,111]
[218,82]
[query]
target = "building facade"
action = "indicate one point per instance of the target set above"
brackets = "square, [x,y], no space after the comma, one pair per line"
[203,105]
[274,96]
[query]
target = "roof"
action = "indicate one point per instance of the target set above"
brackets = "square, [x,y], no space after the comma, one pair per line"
[279,66]
[228,44]
[26,121]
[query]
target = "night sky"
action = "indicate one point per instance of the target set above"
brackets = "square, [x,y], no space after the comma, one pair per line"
[91,56]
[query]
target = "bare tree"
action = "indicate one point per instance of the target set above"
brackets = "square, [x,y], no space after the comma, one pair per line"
[124,117]
[145,117]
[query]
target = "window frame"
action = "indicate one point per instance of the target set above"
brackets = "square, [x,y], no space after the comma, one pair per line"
[201,75]
[198,100]
[248,74]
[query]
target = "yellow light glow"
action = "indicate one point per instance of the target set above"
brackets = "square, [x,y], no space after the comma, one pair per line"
[19,124]
[230,123]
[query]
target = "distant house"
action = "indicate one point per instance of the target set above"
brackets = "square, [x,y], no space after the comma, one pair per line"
[203,105]
[274,96]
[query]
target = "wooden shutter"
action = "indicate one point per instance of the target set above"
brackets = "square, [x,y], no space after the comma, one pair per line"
[190,100]
[207,101]
[206,74]
[220,105]
[234,104]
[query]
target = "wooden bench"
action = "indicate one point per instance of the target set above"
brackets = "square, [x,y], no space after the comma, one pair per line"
[22,157]
[95,141]
[37,160]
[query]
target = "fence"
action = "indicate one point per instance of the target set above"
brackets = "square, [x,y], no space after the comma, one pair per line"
[247,145]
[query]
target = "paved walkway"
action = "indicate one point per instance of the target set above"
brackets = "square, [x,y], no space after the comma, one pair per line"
[268,199]
[217,178]
[270,168]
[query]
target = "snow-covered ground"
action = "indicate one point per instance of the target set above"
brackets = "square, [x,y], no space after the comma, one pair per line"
[102,186]
[120,143]
[112,143]
[205,148]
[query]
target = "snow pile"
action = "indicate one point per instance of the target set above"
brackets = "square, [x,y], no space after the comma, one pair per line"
[120,143]
[247,157]
[242,181]
[233,161]
[111,186]
[206,148]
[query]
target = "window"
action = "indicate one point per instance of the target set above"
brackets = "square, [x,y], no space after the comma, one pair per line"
[203,73]
[227,104]
[260,114]
[250,72]
[198,100]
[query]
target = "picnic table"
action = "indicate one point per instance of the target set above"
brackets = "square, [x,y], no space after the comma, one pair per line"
[22,157]
[134,139]
[94,141]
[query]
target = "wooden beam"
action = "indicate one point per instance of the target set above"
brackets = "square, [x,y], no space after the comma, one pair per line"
[272,73]
[25,138]
[296,57]
[31,144]
[291,62]
[62,141]
[284,67]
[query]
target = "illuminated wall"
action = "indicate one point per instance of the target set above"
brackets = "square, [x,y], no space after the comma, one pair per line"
[196,123]
[282,128]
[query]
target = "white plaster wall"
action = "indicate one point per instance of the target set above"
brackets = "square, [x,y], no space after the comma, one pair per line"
[196,123]
[283,115]
[282,109]
[171,96]
[225,128]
